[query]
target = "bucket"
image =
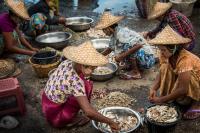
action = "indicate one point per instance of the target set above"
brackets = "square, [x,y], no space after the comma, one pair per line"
[184,6]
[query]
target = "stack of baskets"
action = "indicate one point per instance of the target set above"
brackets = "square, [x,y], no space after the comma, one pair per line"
[42,69]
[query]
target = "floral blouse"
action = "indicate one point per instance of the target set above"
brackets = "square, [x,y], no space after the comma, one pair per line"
[64,82]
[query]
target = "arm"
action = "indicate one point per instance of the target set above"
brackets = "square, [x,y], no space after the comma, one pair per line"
[11,45]
[23,40]
[107,51]
[181,89]
[123,55]
[155,87]
[93,114]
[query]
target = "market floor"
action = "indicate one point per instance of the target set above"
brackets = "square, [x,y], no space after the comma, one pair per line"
[34,122]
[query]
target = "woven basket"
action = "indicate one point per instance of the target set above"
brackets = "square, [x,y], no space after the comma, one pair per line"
[43,70]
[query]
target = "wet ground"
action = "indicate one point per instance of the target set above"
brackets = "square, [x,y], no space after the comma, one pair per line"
[34,122]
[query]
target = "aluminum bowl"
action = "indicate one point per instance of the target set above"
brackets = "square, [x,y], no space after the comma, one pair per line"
[105,77]
[121,111]
[57,40]
[79,23]
[100,44]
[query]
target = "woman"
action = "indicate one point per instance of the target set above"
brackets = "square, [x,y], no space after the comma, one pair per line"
[10,32]
[67,90]
[129,46]
[45,7]
[179,76]
[37,25]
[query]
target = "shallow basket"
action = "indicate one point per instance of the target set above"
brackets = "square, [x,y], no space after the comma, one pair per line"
[43,70]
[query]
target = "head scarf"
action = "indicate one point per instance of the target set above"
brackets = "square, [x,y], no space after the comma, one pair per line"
[38,21]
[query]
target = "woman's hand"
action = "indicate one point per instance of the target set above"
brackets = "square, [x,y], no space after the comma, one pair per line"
[34,49]
[152,93]
[156,100]
[114,126]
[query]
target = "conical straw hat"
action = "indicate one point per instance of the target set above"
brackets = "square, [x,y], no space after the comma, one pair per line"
[85,54]
[107,20]
[169,37]
[159,9]
[18,7]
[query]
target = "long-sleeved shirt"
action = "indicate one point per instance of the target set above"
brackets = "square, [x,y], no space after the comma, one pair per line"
[178,22]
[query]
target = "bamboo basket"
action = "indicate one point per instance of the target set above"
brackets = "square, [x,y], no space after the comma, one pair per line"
[43,70]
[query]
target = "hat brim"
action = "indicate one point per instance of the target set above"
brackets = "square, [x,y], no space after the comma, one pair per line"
[70,53]
[22,12]
[156,14]
[101,26]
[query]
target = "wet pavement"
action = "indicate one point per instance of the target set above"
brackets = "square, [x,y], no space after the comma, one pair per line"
[34,122]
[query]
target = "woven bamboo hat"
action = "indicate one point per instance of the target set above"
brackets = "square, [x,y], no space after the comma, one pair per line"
[169,37]
[107,20]
[18,7]
[159,9]
[85,54]
[8,69]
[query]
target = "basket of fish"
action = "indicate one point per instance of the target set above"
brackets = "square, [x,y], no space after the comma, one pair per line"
[162,117]
[128,119]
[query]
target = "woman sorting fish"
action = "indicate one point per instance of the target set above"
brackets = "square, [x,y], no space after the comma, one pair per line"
[129,46]
[11,37]
[179,76]
[68,90]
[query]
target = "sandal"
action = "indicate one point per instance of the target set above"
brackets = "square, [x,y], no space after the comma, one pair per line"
[127,76]
[191,114]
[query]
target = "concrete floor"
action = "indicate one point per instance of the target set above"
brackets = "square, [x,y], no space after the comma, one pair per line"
[34,122]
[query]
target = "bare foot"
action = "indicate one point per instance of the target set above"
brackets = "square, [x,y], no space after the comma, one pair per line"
[131,75]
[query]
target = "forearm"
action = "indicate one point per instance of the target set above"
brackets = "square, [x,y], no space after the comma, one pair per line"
[25,43]
[17,50]
[107,51]
[94,115]
[123,55]
[174,95]
[156,84]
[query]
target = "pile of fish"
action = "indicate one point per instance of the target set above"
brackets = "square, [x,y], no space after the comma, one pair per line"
[162,113]
[126,122]
[96,33]
[115,99]
[102,71]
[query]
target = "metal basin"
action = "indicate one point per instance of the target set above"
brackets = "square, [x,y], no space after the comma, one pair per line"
[57,40]
[79,23]
[105,77]
[121,111]
[101,44]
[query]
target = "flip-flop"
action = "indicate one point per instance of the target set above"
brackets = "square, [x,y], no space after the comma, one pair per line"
[191,114]
[84,121]
[126,76]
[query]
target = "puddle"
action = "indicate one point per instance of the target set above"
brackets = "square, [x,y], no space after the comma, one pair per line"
[127,7]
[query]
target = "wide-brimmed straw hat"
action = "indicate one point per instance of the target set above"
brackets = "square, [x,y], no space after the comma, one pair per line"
[85,54]
[8,68]
[169,37]
[159,9]
[107,20]
[18,7]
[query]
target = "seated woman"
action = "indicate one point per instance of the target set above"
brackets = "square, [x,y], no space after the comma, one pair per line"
[67,90]
[179,76]
[45,7]
[129,46]
[37,25]
[9,30]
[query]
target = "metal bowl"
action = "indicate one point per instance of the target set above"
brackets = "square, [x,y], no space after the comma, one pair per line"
[57,40]
[121,111]
[105,77]
[44,57]
[79,23]
[101,44]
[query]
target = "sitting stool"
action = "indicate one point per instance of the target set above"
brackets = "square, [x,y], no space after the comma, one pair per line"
[10,87]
